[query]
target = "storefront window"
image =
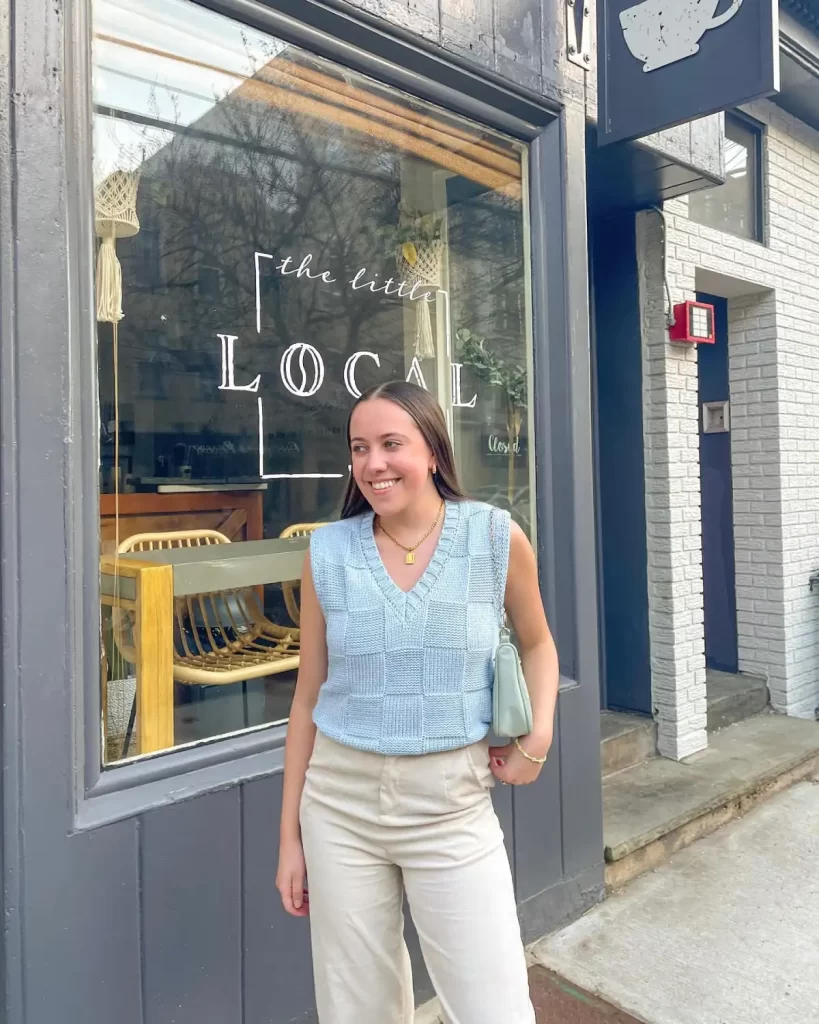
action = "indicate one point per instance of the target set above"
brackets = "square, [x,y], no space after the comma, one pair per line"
[275,235]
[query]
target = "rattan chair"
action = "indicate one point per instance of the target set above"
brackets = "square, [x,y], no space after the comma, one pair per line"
[219,637]
[289,590]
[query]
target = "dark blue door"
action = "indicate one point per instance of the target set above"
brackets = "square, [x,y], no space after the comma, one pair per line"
[718,568]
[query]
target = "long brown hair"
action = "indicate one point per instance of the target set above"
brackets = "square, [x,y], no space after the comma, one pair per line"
[429,418]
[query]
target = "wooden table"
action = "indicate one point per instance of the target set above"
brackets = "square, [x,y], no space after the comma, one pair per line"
[148,582]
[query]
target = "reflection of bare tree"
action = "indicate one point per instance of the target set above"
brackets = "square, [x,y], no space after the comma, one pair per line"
[250,177]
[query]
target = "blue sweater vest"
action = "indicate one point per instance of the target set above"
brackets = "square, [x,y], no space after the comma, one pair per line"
[410,673]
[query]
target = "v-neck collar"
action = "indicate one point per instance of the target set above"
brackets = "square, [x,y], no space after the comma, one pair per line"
[407,601]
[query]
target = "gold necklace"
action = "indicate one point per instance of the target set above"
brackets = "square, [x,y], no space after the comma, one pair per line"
[409,557]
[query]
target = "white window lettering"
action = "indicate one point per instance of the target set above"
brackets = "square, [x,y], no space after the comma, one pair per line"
[416,372]
[228,378]
[256,257]
[303,270]
[349,371]
[297,379]
[355,283]
[426,297]
[457,400]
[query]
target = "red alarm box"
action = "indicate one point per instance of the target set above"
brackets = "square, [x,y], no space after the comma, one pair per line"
[694,323]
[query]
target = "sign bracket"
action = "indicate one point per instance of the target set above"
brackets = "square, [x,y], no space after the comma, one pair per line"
[578,53]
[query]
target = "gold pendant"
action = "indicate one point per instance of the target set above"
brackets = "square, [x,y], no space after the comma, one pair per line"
[409,558]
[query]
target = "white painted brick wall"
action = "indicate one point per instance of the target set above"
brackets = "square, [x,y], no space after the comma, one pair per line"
[774,369]
[757,485]
[670,440]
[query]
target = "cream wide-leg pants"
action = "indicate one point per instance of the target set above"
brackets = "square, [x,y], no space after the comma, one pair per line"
[377,827]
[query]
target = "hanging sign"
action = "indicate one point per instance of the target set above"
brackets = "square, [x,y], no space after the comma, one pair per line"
[663,62]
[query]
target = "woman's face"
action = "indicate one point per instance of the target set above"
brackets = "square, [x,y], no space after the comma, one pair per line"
[392,463]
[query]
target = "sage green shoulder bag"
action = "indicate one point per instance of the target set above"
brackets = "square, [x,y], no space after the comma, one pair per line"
[511,707]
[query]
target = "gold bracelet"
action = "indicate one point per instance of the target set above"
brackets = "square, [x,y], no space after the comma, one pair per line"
[534,760]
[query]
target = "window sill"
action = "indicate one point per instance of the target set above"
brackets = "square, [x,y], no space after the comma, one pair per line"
[131,789]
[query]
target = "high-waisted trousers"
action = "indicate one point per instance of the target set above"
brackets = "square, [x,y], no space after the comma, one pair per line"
[377,828]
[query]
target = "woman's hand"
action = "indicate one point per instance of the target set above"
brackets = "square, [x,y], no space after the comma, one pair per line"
[291,878]
[510,767]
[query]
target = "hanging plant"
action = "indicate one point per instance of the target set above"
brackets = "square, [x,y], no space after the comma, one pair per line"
[417,246]
[485,364]
[413,230]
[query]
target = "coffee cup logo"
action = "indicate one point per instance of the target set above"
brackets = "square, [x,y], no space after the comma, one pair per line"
[662,32]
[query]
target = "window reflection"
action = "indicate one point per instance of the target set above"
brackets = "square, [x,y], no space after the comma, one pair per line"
[734,206]
[296,233]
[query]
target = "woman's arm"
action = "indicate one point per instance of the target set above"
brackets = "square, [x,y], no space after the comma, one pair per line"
[301,734]
[539,657]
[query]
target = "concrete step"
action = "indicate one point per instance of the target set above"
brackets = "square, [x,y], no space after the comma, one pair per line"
[625,740]
[656,808]
[733,698]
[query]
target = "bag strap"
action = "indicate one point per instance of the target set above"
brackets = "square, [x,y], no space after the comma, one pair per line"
[500,606]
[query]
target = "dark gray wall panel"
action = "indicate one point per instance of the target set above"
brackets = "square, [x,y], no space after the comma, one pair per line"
[521,40]
[556,906]
[466,29]
[538,847]
[565,485]
[518,40]
[278,975]
[81,924]
[191,879]
[581,798]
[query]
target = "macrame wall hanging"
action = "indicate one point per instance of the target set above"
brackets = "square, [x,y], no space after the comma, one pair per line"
[115,216]
[421,263]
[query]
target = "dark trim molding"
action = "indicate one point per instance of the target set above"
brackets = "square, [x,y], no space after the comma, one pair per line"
[807,57]
[12,862]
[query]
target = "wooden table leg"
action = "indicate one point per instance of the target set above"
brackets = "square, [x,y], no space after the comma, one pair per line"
[154,666]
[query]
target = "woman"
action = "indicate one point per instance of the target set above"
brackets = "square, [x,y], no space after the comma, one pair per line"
[387,766]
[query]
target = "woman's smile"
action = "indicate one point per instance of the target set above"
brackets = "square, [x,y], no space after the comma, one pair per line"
[382,486]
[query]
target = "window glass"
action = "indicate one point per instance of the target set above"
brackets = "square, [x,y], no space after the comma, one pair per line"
[275,235]
[734,206]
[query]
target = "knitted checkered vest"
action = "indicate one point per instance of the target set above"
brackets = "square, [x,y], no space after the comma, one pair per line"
[410,673]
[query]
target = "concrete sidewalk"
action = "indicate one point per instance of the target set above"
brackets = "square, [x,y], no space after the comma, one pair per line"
[556,1001]
[727,932]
